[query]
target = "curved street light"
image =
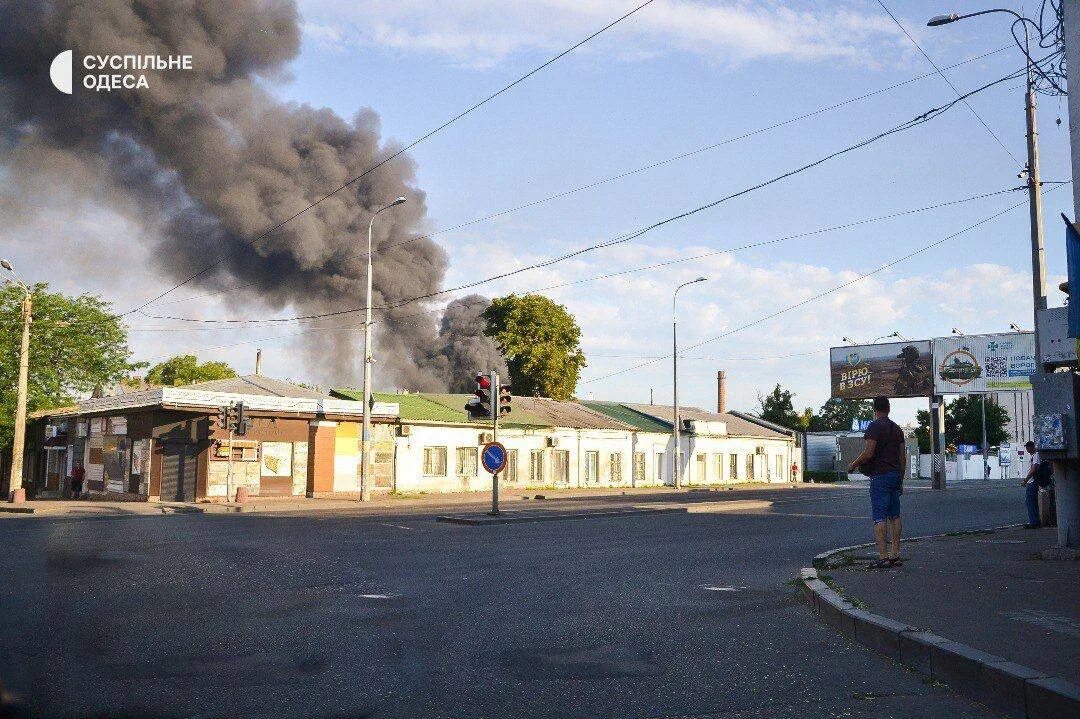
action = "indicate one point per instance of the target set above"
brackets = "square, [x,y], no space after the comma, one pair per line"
[676,465]
[365,439]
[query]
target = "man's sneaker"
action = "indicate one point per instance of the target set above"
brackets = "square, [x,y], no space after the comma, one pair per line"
[1032,526]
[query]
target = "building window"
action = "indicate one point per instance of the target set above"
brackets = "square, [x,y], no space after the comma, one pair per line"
[779,467]
[750,467]
[510,472]
[560,466]
[718,466]
[536,466]
[702,468]
[639,468]
[660,466]
[592,467]
[615,467]
[434,461]
[466,461]
[733,468]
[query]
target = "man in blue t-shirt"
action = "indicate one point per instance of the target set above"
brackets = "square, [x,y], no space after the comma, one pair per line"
[884,461]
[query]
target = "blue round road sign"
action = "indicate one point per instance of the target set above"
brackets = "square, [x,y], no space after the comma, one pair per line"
[493,457]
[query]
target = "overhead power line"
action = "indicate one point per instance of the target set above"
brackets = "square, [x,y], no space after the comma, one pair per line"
[635,171]
[199,324]
[397,154]
[904,126]
[820,295]
[950,84]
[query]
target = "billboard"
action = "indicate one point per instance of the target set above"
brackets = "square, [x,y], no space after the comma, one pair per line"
[896,369]
[984,363]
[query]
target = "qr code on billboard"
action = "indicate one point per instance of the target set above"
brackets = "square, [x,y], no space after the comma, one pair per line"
[997,366]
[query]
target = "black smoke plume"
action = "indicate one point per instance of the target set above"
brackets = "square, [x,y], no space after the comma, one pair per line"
[210,159]
[465,349]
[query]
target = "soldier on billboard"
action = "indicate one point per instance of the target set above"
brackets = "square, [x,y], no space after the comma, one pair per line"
[911,375]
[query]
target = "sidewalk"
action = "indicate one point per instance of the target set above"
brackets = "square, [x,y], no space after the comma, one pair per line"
[988,590]
[382,503]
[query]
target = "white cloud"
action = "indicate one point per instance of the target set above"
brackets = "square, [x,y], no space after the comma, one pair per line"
[482,33]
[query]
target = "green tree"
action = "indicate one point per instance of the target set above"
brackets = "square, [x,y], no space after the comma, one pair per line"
[838,414]
[963,423]
[185,369]
[541,342]
[76,345]
[778,407]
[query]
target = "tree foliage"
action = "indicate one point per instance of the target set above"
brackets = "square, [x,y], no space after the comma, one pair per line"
[76,345]
[963,423]
[838,414]
[541,342]
[185,369]
[778,407]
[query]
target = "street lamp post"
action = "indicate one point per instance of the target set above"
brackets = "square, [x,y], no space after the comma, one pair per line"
[677,465]
[1035,208]
[15,483]
[365,437]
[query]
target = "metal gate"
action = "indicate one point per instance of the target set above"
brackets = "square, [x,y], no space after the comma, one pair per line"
[178,471]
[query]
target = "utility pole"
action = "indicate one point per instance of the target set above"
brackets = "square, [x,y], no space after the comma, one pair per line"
[16,493]
[937,442]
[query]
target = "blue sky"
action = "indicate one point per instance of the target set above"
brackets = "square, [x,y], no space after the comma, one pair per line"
[653,89]
[675,77]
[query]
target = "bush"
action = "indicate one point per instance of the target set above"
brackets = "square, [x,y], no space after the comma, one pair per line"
[819,477]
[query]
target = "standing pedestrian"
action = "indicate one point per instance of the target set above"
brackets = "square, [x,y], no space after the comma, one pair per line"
[1037,476]
[883,460]
[78,474]
[794,472]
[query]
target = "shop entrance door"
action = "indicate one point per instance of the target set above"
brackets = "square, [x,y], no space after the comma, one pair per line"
[178,466]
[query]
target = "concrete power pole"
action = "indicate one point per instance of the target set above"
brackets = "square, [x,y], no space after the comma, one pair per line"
[1067,472]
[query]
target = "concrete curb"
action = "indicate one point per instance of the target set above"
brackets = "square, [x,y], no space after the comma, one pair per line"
[822,560]
[1003,686]
[477,520]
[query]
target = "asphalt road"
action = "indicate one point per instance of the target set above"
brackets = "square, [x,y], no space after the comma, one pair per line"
[395,615]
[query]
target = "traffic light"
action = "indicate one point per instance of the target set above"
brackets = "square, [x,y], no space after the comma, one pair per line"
[480,407]
[241,421]
[504,400]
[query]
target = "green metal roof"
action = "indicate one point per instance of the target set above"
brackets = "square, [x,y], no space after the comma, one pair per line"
[444,408]
[622,413]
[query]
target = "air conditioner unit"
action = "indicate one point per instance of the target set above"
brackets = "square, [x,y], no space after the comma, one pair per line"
[486,437]
[759,450]
[404,430]
[553,441]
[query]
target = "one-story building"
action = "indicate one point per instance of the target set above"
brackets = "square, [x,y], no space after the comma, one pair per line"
[580,444]
[170,443]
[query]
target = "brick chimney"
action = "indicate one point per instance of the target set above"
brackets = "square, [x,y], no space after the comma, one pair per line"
[258,362]
[721,392]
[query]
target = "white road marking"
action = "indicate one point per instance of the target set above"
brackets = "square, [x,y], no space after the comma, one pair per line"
[711,588]
[399,526]
[393,595]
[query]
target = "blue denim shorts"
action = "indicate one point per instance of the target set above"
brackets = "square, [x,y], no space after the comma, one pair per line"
[885,496]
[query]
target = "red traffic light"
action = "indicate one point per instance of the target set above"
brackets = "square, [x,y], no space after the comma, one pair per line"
[483,382]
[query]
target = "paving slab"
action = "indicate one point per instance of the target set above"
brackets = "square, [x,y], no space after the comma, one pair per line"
[987,590]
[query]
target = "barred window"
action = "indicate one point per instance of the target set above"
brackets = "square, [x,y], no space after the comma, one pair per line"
[435,461]
[466,461]
[615,467]
[639,467]
[592,467]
